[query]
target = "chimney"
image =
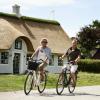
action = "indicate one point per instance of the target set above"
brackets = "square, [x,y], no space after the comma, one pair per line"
[16,10]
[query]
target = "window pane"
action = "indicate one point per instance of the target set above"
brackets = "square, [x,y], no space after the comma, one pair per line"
[4,57]
[60,62]
[51,60]
[18,44]
[28,58]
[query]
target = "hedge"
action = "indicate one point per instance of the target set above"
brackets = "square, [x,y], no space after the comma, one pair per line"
[89,65]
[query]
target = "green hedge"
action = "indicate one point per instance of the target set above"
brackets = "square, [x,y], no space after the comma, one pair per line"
[89,65]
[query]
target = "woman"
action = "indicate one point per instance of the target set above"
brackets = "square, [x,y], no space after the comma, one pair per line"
[42,52]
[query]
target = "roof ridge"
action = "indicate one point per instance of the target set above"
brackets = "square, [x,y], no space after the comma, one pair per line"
[30,18]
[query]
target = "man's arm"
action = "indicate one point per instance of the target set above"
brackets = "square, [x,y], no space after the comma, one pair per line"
[64,55]
[77,59]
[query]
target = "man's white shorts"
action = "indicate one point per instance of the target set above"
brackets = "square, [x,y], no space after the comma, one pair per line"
[73,68]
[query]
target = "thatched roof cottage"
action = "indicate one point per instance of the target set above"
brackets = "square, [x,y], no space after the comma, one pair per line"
[20,36]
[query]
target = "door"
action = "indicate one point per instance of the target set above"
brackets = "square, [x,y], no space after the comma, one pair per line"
[16,63]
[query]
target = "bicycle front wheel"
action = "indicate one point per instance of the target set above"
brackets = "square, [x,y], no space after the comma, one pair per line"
[60,84]
[42,85]
[71,87]
[28,83]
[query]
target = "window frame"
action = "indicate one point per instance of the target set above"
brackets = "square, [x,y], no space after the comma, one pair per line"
[4,58]
[18,44]
[61,61]
[51,63]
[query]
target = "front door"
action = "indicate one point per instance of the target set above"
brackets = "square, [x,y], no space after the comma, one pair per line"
[16,63]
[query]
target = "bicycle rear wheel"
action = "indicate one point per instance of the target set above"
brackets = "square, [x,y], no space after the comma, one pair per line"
[71,88]
[60,84]
[42,85]
[28,83]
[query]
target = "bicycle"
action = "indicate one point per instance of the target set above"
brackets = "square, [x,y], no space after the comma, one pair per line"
[65,80]
[33,78]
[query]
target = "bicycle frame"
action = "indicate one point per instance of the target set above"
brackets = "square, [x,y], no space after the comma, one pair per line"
[65,80]
[33,80]
[36,78]
[66,71]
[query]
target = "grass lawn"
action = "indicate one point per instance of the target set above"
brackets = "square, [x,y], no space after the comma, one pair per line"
[16,82]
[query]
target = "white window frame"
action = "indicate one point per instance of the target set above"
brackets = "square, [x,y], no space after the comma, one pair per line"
[5,60]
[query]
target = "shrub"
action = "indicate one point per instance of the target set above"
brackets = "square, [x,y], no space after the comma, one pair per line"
[89,65]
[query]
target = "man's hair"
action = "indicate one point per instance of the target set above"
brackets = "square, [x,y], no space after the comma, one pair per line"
[74,40]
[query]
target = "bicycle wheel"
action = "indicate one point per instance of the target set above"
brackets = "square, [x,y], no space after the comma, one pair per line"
[28,83]
[71,88]
[60,84]
[42,85]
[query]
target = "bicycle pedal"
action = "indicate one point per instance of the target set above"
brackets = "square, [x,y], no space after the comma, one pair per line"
[60,83]
[41,82]
[65,85]
[31,73]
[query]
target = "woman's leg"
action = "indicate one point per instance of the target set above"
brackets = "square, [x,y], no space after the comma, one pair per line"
[41,68]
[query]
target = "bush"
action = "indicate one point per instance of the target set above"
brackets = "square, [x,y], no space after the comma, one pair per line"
[89,65]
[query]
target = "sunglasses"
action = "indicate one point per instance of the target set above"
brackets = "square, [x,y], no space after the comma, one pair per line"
[44,42]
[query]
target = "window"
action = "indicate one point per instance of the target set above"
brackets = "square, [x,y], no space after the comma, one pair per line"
[18,44]
[51,60]
[4,57]
[60,62]
[27,58]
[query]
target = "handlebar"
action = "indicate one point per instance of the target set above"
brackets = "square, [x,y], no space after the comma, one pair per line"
[70,63]
[37,60]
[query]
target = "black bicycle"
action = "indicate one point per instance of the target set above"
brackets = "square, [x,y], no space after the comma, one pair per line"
[65,80]
[33,79]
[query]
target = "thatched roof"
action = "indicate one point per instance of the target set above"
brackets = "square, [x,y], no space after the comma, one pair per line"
[34,29]
[8,34]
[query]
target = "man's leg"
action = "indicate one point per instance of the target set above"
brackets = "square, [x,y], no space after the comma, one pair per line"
[73,73]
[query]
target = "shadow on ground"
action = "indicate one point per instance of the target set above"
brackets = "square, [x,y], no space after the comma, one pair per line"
[46,94]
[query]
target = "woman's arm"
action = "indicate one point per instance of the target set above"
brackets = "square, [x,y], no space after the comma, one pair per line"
[35,53]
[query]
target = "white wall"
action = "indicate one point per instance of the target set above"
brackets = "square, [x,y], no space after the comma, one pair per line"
[8,68]
[56,68]
[23,54]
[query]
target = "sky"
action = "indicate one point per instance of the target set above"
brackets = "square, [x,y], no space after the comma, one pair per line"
[71,14]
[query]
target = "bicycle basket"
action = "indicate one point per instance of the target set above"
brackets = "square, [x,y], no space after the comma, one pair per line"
[32,65]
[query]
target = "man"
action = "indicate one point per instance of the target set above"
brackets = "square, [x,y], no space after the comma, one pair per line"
[73,55]
[42,52]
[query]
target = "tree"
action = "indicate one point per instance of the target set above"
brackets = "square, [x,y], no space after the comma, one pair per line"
[89,37]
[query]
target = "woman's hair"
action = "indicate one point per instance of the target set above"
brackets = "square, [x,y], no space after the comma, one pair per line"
[44,40]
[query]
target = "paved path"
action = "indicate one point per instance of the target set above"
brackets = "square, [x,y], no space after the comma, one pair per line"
[81,93]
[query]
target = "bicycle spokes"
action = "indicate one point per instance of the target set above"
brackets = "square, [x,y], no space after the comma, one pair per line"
[28,83]
[42,84]
[60,84]
[71,85]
